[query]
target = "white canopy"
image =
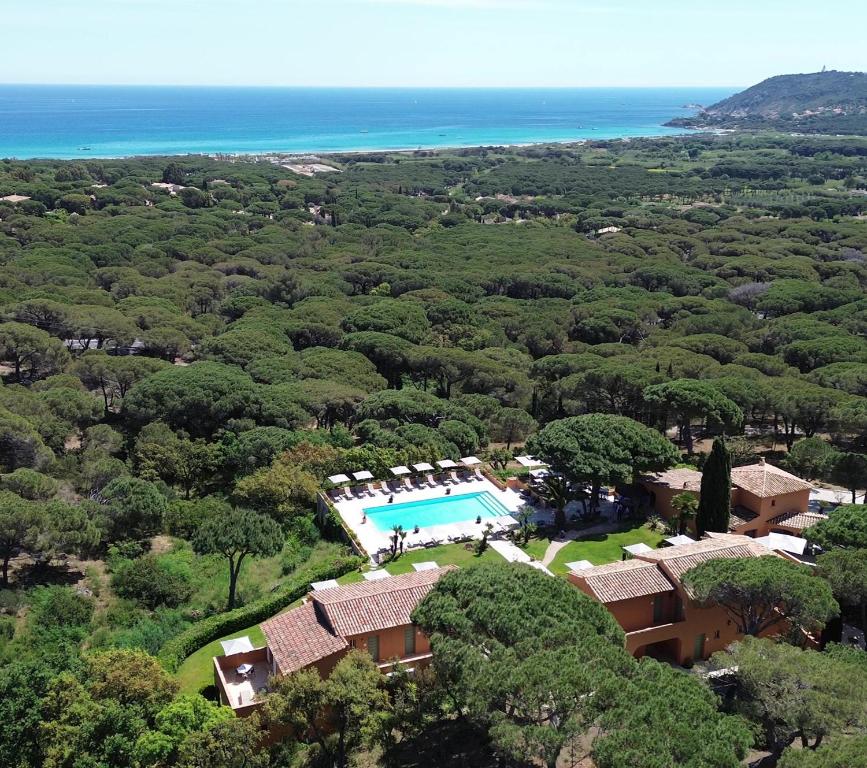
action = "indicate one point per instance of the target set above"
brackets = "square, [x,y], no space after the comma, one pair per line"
[237,645]
[579,565]
[447,464]
[637,549]
[337,479]
[470,461]
[682,538]
[377,575]
[530,462]
[318,586]
[538,474]
[401,470]
[784,542]
[363,475]
[429,565]
[423,467]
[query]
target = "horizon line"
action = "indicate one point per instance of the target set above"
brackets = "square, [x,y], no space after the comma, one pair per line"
[355,87]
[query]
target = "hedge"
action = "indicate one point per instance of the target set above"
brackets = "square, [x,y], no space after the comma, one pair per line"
[207,630]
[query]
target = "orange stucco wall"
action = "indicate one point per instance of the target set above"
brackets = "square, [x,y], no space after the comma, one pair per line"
[676,629]
[765,509]
[663,496]
[391,643]
[768,508]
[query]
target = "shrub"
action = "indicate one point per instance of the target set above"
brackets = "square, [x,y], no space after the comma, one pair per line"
[154,580]
[214,627]
[29,484]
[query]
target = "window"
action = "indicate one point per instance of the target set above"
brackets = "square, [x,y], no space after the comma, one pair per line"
[773,502]
[409,640]
[657,609]
[373,647]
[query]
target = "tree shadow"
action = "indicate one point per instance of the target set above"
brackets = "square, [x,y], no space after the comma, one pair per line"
[37,574]
[453,743]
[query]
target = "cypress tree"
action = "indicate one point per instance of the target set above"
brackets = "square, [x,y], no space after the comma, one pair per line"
[714,505]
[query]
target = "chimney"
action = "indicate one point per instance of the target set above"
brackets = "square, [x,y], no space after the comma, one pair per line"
[761,461]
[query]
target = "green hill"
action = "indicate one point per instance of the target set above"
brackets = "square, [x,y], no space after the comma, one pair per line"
[821,102]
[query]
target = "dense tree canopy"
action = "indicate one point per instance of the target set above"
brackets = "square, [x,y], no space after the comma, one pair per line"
[167,356]
[763,592]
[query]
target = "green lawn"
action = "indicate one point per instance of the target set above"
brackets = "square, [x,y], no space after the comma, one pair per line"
[536,547]
[446,554]
[197,671]
[603,548]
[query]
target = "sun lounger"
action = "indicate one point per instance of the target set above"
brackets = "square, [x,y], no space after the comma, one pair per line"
[430,481]
[347,494]
[396,488]
[454,477]
[408,485]
[478,474]
[371,490]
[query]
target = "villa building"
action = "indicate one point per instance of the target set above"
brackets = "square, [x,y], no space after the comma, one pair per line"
[646,596]
[765,498]
[373,616]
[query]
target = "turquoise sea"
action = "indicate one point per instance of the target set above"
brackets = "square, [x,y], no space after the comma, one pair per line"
[114,121]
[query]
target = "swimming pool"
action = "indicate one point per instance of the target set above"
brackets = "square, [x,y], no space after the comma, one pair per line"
[442,511]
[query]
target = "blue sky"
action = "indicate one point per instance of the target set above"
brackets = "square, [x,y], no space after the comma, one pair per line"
[427,42]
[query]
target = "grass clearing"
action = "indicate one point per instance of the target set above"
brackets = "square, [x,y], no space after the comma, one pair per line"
[604,547]
[446,554]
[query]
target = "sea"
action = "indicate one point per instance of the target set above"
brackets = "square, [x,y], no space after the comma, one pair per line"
[117,121]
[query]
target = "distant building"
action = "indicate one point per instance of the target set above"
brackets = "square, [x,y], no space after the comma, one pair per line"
[765,498]
[373,616]
[657,612]
[608,231]
[14,199]
[172,189]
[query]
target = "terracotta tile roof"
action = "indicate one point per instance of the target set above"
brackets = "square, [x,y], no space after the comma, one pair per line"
[297,639]
[740,516]
[765,480]
[624,580]
[798,520]
[370,606]
[683,479]
[675,561]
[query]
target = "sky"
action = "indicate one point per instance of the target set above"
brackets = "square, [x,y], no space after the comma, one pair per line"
[430,43]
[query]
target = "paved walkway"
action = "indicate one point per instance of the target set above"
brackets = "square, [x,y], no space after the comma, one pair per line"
[515,554]
[608,526]
[509,551]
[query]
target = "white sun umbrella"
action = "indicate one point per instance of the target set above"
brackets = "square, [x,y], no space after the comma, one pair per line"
[338,479]
[401,470]
[529,462]
[470,461]
[446,464]
[423,467]
[363,475]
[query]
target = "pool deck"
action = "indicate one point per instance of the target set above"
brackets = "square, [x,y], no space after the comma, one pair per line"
[375,541]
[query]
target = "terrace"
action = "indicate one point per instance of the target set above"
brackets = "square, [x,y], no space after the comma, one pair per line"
[452,506]
[241,675]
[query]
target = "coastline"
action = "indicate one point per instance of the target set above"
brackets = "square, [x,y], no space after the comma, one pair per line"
[82,123]
[300,153]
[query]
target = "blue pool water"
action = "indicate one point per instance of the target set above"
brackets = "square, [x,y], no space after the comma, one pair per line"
[442,511]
